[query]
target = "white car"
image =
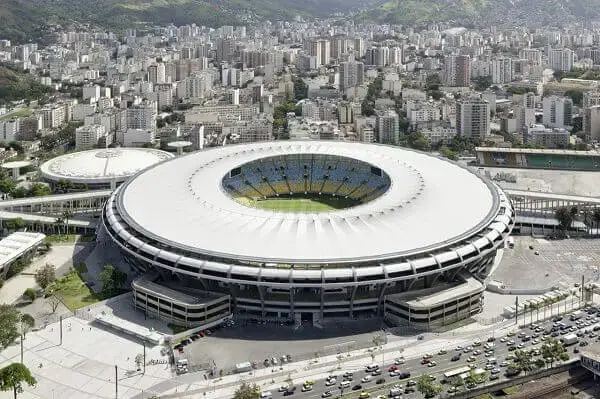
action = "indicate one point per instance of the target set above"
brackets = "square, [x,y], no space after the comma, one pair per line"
[394,373]
[283,388]
[503,364]
[330,382]
[367,378]
[502,339]
[458,348]
[477,352]
[306,388]
[399,360]
[431,364]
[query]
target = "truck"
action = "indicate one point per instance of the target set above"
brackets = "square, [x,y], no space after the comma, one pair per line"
[570,339]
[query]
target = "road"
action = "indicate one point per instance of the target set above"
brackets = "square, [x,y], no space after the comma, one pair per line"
[444,363]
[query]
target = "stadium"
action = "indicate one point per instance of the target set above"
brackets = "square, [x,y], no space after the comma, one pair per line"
[309,231]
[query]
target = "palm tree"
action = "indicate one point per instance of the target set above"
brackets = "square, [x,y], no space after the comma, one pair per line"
[564,216]
[66,215]
[522,361]
[596,218]
[59,222]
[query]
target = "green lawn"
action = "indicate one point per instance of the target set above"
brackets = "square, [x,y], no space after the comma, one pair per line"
[18,114]
[68,238]
[298,204]
[74,293]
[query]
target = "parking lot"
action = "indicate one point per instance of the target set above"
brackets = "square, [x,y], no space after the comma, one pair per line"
[254,342]
[558,261]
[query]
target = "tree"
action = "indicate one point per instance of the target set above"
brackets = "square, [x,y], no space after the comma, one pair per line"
[30,294]
[45,276]
[27,323]
[481,83]
[15,223]
[7,186]
[54,301]
[66,215]
[575,95]
[81,268]
[522,361]
[13,376]
[427,387]
[596,218]
[247,391]
[9,325]
[448,153]
[112,279]
[564,217]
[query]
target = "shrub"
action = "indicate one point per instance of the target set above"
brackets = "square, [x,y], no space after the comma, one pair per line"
[30,294]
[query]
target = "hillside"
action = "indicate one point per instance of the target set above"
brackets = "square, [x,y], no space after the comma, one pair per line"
[483,12]
[20,19]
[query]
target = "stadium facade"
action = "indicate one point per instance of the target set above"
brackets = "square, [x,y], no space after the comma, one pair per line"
[417,236]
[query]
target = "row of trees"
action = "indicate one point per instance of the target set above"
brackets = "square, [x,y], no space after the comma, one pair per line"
[566,215]
[14,324]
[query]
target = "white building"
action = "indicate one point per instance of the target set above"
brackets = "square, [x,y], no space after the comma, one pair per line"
[351,74]
[9,129]
[539,135]
[142,116]
[502,70]
[561,59]
[87,137]
[91,92]
[388,126]
[473,118]
[591,123]
[558,111]
[138,137]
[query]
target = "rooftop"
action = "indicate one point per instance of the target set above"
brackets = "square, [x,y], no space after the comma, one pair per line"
[17,244]
[538,151]
[102,165]
[422,210]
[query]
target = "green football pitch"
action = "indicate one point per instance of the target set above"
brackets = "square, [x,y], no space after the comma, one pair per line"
[310,204]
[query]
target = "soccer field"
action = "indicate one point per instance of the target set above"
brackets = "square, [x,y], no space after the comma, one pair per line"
[315,204]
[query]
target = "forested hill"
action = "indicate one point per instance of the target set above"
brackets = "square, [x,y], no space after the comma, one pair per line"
[484,12]
[24,19]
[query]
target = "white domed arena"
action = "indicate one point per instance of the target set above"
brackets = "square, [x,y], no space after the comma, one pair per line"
[101,168]
[309,231]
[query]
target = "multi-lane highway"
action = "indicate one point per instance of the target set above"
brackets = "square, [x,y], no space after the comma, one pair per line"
[446,360]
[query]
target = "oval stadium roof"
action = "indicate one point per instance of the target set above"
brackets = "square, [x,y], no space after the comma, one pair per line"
[431,203]
[101,165]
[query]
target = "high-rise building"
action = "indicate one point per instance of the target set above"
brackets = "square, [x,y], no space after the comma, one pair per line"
[529,100]
[339,46]
[532,55]
[591,123]
[473,118]
[359,46]
[225,50]
[379,56]
[142,116]
[9,129]
[457,71]
[388,126]
[590,99]
[502,70]
[561,59]
[558,111]
[351,74]
[539,135]
[164,95]
[321,49]
[87,137]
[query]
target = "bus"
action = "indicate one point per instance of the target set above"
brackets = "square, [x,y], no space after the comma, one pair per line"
[456,372]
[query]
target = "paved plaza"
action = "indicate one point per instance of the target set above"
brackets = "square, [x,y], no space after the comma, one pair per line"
[563,261]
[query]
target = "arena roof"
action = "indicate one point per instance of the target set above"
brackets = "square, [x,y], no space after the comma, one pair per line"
[431,203]
[101,166]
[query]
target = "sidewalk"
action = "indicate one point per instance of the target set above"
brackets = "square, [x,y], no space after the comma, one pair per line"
[268,380]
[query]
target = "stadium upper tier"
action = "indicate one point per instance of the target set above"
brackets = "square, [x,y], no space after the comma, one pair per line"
[414,206]
[307,174]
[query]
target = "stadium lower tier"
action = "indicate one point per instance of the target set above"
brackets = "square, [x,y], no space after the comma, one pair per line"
[437,298]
